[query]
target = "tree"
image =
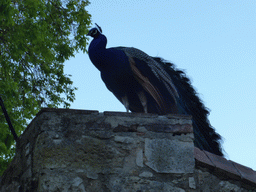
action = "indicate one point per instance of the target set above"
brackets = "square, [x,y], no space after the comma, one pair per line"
[36,37]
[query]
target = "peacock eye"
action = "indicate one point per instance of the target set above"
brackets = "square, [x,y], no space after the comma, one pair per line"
[94,32]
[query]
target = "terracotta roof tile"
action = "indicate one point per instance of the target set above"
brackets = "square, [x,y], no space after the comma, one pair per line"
[223,164]
[202,158]
[246,172]
[220,164]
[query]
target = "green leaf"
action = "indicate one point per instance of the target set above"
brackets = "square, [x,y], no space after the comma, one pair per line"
[36,38]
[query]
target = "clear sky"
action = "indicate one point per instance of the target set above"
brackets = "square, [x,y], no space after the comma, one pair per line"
[213,41]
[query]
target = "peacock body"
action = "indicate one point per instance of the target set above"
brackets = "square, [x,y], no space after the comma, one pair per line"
[148,84]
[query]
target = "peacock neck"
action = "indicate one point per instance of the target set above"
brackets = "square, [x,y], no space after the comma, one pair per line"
[97,51]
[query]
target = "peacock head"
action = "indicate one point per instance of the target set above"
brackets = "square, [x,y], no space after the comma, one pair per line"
[94,32]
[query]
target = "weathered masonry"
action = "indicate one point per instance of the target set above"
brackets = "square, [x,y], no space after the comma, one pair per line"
[81,150]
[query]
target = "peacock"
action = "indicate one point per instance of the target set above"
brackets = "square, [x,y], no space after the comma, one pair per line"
[148,84]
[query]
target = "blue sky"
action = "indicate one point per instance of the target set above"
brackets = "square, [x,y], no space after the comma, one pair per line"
[213,41]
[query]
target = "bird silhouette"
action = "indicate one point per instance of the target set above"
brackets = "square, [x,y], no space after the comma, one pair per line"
[148,84]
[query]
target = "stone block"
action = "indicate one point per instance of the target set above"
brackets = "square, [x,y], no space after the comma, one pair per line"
[169,156]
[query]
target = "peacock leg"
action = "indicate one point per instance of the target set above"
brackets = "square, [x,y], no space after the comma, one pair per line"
[125,103]
[143,100]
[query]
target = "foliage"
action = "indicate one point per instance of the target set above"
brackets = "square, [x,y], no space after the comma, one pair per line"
[36,37]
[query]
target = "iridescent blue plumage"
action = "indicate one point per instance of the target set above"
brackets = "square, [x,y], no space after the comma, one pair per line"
[151,85]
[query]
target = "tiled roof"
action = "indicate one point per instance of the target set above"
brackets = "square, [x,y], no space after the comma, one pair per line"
[220,164]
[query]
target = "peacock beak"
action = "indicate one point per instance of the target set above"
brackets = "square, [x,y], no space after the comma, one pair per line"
[89,33]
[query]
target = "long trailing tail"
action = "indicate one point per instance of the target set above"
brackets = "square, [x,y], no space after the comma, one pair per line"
[205,136]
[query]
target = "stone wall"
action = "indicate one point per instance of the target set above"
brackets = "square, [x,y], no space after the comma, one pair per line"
[79,150]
